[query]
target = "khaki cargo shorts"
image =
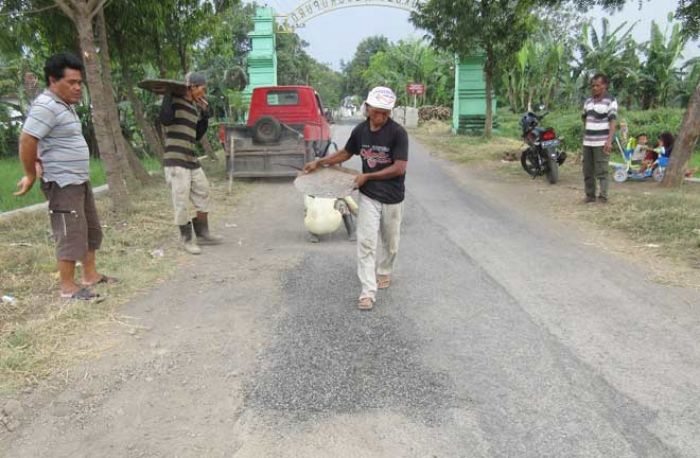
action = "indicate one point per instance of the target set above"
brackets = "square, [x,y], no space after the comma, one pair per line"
[187,185]
[74,221]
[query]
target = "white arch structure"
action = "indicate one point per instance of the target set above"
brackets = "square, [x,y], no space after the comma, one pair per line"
[310,9]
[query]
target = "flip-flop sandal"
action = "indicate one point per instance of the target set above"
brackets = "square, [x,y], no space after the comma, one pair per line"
[105,280]
[383,281]
[83,294]
[365,303]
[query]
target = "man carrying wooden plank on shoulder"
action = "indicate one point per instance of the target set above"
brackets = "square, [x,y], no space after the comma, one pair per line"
[186,119]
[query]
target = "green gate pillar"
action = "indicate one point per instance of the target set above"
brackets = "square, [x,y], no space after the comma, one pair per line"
[469,106]
[262,58]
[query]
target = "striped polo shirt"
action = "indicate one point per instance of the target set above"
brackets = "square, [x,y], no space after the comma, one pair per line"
[62,149]
[181,135]
[597,115]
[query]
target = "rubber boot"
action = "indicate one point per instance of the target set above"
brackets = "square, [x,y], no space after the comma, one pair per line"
[188,242]
[201,230]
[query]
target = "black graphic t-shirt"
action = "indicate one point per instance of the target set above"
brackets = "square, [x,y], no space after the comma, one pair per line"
[378,151]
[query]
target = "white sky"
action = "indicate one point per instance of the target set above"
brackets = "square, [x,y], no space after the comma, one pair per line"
[335,36]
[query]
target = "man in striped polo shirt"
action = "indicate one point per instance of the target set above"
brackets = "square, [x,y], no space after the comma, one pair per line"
[186,119]
[52,136]
[599,116]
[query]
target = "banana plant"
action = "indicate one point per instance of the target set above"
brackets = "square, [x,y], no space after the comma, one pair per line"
[602,52]
[659,74]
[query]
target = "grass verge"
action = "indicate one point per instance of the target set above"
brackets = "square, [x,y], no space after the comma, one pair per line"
[11,172]
[654,221]
[39,332]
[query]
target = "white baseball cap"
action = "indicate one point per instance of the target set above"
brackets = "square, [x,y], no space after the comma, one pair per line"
[381,97]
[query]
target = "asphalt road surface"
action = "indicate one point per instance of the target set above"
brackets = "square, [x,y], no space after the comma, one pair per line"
[501,336]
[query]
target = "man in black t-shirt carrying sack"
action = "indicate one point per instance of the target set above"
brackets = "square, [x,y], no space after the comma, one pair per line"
[383,146]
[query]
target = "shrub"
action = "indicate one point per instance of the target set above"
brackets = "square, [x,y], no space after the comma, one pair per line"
[569,126]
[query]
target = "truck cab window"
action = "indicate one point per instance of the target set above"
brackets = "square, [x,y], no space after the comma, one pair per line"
[277,98]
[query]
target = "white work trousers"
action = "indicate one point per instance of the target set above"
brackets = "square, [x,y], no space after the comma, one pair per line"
[376,218]
[187,185]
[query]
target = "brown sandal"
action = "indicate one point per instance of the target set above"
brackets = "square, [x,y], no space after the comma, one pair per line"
[383,281]
[365,303]
[104,279]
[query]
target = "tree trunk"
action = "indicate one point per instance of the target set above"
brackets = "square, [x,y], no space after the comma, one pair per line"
[685,143]
[141,174]
[153,141]
[511,94]
[162,68]
[91,139]
[182,54]
[137,174]
[115,179]
[488,71]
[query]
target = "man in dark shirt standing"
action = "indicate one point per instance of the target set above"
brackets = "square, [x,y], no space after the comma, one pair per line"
[186,120]
[383,146]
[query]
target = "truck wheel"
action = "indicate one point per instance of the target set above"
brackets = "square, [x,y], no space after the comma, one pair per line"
[267,129]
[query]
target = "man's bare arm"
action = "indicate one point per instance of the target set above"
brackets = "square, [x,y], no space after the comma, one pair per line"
[335,158]
[396,169]
[611,134]
[28,147]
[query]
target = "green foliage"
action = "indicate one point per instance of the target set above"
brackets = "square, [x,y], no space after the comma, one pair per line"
[606,51]
[11,172]
[659,74]
[688,80]
[569,126]
[296,66]
[413,61]
[354,70]
[498,28]
[689,13]
[552,69]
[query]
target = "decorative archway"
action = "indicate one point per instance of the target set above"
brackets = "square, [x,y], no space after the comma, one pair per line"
[310,9]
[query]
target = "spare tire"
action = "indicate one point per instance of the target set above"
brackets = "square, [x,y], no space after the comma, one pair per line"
[267,129]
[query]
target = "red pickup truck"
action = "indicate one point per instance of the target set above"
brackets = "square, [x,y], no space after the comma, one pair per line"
[286,128]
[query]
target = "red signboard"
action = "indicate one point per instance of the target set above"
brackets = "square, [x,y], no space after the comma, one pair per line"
[415,88]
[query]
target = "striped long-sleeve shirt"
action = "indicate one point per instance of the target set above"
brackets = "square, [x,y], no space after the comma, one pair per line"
[597,114]
[183,127]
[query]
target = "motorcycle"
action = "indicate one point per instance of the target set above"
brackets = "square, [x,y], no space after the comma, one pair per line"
[541,156]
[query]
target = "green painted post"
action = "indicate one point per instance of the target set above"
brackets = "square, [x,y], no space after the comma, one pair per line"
[262,58]
[469,105]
